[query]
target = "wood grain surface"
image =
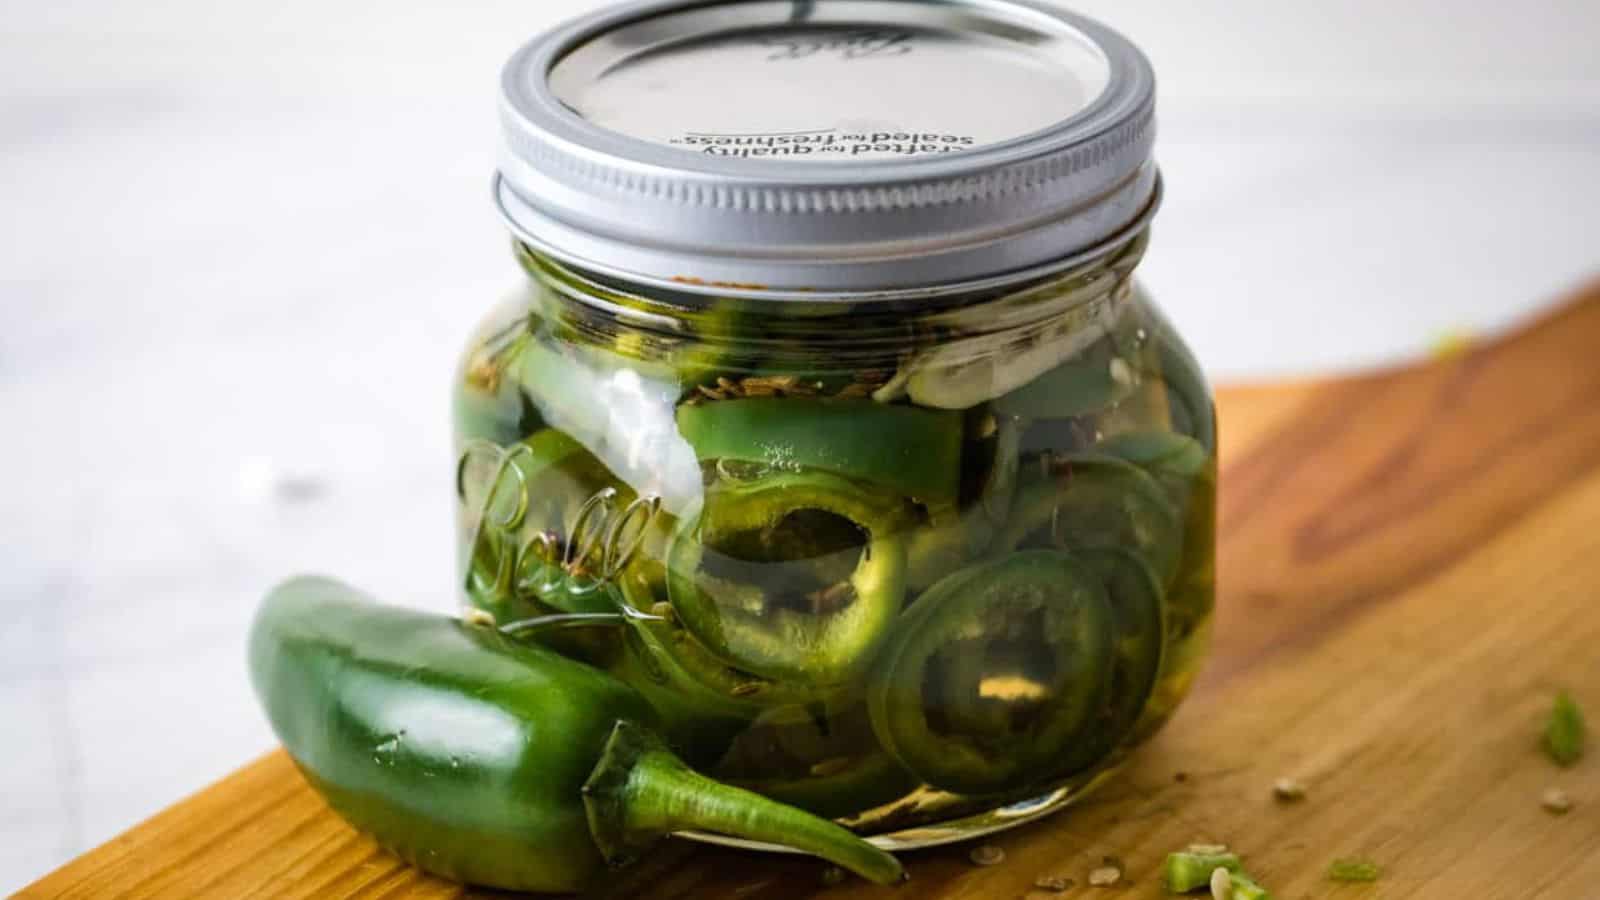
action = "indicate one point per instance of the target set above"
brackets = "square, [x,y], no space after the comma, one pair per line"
[1408,564]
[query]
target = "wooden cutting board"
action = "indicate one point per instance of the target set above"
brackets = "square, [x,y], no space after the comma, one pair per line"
[1410,569]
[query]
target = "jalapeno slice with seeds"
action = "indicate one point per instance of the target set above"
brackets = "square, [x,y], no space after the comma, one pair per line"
[1135,596]
[1041,623]
[794,576]
[1090,500]
[822,758]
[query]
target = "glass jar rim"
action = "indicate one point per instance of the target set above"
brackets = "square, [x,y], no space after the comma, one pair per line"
[935,293]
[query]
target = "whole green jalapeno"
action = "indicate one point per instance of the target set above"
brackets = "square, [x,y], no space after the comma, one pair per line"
[487,760]
[990,727]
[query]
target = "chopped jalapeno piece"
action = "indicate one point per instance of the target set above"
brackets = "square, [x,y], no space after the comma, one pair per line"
[1190,870]
[1564,734]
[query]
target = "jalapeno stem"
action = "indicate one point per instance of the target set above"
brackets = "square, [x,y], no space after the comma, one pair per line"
[639,792]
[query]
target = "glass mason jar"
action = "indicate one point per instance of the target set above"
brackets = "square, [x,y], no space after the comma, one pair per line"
[878,477]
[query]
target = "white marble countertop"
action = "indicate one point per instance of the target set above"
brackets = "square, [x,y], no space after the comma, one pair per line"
[242,245]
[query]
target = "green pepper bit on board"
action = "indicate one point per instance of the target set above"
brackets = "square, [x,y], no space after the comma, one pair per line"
[1353,870]
[1246,888]
[486,760]
[1565,732]
[1190,870]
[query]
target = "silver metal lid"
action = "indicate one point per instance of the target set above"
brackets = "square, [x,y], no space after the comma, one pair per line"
[827,147]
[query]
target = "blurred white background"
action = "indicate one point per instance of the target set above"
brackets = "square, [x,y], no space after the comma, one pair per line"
[241,245]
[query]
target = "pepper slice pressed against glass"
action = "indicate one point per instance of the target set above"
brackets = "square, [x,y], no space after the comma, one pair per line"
[821,757]
[1040,622]
[913,452]
[1097,501]
[1135,595]
[795,576]
[957,534]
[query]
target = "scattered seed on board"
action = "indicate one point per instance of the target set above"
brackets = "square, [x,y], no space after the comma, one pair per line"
[1221,884]
[832,875]
[1105,876]
[987,855]
[1288,790]
[1556,802]
[1056,883]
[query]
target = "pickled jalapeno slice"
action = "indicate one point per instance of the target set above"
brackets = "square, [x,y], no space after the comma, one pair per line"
[954,535]
[1165,454]
[795,576]
[665,653]
[1031,639]
[818,757]
[913,452]
[1135,595]
[1098,501]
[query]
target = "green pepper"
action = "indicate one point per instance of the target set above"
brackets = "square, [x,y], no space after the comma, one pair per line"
[702,704]
[840,787]
[795,576]
[954,535]
[699,712]
[913,452]
[704,350]
[1080,385]
[1190,870]
[1042,626]
[1189,398]
[826,763]
[1176,458]
[1137,614]
[488,405]
[665,653]
[1098,501]
[486,760]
